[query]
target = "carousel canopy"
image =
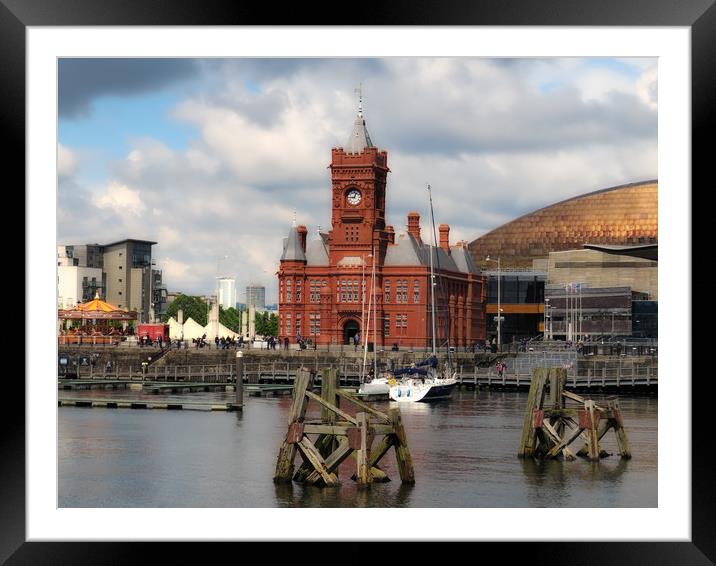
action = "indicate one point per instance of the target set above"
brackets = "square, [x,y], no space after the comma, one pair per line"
[96,309]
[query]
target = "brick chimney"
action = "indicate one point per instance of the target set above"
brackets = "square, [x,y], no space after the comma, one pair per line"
[414,225]
[444,230]
[302,233]
[391,234]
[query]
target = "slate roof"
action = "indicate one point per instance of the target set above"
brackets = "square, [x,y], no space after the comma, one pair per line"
[407,251]
[317,252]
[292,250]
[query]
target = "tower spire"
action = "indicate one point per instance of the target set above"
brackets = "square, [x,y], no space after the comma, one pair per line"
[359,92]
[360,139]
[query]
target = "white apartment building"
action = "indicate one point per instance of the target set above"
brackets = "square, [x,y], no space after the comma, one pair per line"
[227,292]
[77,284]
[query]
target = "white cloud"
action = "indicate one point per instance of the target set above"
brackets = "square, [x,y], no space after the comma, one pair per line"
[496,139]
[647,88]
[66,161]
[173,270]
[120,199]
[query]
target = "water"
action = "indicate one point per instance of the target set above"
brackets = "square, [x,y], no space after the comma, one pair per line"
[464,454]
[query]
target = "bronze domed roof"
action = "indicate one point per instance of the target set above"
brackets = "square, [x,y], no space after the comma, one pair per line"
[627,214]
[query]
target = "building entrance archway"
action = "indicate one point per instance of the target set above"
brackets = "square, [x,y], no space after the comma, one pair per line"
[350,329]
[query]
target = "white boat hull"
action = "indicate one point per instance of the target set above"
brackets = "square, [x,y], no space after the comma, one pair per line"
[378,386]
[414,390]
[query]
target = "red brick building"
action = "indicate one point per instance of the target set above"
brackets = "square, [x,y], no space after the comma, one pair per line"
[325,279]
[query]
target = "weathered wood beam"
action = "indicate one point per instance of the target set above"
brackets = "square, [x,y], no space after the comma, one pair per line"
[402,453]
[333,408]
[618,425]
[329,385]
[333,461]
[553,452]
[287,451]
[604,427]
[378,452]
[552,434]
[557,377]
[364,478]
[324,445]
[592,435]
[342,430]
[353,399]
[579,399]
[535,400]
[309,451]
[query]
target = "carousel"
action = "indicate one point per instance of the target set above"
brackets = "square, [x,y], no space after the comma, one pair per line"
[94,322]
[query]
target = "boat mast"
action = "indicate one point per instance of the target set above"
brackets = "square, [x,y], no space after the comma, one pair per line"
[375,320]
[366,331]
[432,275]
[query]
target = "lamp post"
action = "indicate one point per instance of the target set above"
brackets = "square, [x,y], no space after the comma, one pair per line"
[499,310]
[546,315]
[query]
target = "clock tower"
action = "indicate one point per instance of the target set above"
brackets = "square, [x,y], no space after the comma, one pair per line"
[359,173]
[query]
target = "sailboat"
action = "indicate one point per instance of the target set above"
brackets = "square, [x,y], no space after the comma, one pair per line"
[424,381]
[375,385]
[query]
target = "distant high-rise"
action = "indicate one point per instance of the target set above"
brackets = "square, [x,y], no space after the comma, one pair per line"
[227,292]
[256,296]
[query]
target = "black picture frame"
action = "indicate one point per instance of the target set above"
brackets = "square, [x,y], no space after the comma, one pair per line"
[699,15]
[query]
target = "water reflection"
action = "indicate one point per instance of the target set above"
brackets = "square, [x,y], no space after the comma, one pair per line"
[346,495]
[464,451]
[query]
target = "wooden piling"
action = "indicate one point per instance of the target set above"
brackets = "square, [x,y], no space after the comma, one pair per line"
[339,435]
[297,412]
[238,404]
[545,433]
[618,425]
[364,477]
[535,399]
[402,454]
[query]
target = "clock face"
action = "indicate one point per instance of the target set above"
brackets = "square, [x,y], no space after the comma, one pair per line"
[354,197]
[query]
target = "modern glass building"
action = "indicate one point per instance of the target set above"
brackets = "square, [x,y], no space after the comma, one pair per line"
[256,296]
[521,299]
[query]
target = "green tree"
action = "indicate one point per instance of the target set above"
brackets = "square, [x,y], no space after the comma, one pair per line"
[266,324]
[193,307]
[231,318]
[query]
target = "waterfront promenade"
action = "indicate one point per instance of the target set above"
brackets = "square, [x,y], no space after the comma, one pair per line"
[204,366]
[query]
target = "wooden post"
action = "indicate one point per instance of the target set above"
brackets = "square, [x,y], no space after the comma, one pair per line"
[402,453]
[239,388]
[618,426]
[535,400]
[364,477]
[287,452]
[592,435]
[329,384]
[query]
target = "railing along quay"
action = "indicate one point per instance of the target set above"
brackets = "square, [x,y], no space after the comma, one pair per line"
[584,375]
[589,381]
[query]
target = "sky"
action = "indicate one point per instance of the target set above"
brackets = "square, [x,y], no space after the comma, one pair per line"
[211,158]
